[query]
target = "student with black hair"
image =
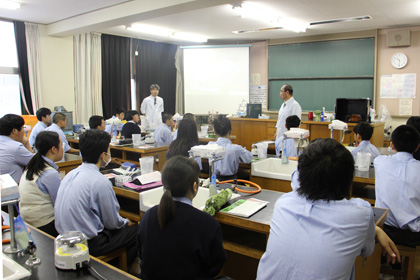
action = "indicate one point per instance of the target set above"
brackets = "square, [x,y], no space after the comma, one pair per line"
[86,201]
[187,138]
[362,133]
[291,121]
[414,121]
[15,150]
[316,231]
[59,123]
[131,127]
[39,184]
[176,240]
[44,118]
[397,179]
[119,113]
[97,122]
[186,116]
[227,168]
[163,134]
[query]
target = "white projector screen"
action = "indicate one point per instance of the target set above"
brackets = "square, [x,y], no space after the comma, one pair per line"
[216,79]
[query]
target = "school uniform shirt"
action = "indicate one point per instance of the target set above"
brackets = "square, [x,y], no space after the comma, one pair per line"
[118,127]
[397,179]
[163,134]
[288,108]
[234,154]
[129,129]
[40,126]
[152,107]
[86,202]
[189,247]
[317,239]
[13,157]
[289,145]
[55,128]
[366,147]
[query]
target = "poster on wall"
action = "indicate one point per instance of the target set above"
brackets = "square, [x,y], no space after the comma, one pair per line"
[258,94]
[398,86]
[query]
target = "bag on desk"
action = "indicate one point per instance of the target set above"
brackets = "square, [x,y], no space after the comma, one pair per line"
[22,234]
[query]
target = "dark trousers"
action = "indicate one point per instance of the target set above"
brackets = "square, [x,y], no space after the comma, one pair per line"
[225,178]
[111,240]
[403,236]
[49,228]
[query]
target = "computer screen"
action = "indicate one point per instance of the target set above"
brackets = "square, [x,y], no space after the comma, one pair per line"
[352,110]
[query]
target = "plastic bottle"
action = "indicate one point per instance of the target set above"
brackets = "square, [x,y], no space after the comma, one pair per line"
[213,186]
[323,114]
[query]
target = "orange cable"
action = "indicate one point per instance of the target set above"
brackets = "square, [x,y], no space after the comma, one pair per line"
[243,181]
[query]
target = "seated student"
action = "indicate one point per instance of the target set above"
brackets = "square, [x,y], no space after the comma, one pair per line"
[187,138]
[39,184]
[289,144]
[316,230]
[97,122]
[227,168]
[44,118]
[362,133]
[186,116]
[59,123]
[186,240]
[119,113]
[415,122]
[131,126]
[86,201]
[397,180]
[15,151]
[163,133]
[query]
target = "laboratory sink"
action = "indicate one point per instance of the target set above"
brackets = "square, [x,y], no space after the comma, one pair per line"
[150,198]
[12,270]
[274,169]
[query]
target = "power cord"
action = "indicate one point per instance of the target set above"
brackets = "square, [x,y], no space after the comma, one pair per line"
[86,265]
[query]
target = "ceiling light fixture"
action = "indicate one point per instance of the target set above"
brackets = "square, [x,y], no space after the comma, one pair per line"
[292,24]
[5,4]
[255,11]
[150,29]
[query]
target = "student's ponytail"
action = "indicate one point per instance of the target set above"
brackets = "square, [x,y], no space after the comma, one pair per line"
[167,208]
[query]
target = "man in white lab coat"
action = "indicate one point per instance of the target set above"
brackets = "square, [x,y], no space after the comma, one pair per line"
[152,107]
[289,108]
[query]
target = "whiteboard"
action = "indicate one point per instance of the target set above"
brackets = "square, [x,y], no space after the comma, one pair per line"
[216,79]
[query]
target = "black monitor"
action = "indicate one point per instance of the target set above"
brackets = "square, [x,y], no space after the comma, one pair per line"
[253,110]
[352,110]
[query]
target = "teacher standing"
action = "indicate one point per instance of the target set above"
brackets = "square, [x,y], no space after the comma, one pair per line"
[152,107]
[289,107]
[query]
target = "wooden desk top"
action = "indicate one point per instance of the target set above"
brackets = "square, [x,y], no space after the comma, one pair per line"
[69,160]
[156,147]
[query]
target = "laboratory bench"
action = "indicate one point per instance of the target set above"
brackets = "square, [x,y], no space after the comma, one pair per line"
[68,163]
[245,239]
[47,270]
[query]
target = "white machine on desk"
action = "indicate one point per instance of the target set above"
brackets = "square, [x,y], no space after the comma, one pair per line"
[300,137]
[338,125]
[71,250]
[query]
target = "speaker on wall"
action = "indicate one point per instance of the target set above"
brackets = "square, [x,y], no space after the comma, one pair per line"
[398,38]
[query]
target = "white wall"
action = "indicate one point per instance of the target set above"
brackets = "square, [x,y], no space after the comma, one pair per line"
[57,74]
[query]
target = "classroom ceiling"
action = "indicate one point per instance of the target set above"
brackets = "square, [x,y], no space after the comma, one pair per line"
[214,19]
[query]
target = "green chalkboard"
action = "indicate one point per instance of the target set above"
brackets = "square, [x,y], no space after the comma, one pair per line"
[320,72]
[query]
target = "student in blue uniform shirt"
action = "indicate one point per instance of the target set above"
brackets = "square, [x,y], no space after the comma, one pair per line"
[119,113]
[59,123]
[39,184]
[227,168]
[415,122]
[289,144]
[176,240]
[316,231]
[86,201]
[163,134]
[97,122]
[15,151]
[362,133]
[397,180]
[131,127]
[44,118]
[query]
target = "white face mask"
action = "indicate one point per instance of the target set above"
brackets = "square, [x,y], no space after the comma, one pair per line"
[108,161]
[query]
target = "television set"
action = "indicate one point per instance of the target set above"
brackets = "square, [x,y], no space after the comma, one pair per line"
[352,110]
[253,110]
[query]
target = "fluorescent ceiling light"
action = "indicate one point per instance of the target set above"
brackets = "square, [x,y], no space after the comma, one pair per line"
[255,11]
[292,24]
[5,4]
[150,29]
[189,37]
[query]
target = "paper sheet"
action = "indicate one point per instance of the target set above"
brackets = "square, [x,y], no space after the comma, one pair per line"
[258,94]
[406,107]
[398,86]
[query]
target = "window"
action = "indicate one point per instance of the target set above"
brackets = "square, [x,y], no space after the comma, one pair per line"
[9,77]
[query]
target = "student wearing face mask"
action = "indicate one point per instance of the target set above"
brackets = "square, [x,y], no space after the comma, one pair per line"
[86,201]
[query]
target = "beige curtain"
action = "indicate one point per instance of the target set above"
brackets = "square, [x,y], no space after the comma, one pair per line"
[179,94]
[32,46]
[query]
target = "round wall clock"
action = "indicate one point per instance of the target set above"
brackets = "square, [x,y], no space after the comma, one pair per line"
[399,60]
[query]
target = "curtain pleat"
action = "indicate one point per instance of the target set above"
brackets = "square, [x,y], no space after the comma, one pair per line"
[115,74]
[155,64]
[25,89]
[32,44]
[179,95]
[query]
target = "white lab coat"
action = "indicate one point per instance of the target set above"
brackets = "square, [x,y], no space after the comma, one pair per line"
[152,111]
